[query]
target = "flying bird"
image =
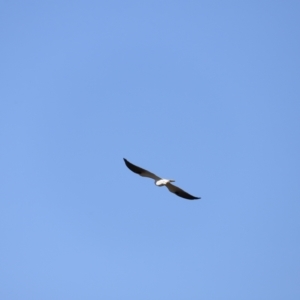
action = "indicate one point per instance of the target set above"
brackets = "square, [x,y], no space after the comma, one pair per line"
[160,181]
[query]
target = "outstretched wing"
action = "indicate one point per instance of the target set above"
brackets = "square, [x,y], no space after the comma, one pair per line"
[140,171]
[179,192]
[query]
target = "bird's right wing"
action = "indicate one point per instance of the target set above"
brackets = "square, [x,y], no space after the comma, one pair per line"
[179,192]
[140,171]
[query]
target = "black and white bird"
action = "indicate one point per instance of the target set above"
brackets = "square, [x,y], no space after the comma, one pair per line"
[160,181]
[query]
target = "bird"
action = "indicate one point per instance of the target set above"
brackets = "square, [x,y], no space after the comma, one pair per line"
[160,181]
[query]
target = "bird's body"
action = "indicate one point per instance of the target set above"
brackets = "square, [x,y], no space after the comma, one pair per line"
[160,181]
[163,182]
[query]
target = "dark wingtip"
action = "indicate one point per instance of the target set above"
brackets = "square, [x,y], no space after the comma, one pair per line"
[195,198]
[187,196]
[126,162]
[133,167]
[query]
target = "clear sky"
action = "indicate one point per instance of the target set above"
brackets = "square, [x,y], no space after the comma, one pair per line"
[203,92]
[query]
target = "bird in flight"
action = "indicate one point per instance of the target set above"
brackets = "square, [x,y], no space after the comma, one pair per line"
[160,181]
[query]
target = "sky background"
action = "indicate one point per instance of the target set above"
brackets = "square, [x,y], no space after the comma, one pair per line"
[203,92]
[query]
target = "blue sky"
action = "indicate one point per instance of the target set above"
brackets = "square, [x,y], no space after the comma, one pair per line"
[203,92]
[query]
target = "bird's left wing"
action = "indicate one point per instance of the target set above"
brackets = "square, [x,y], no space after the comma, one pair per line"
[140,171]
[179,192]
